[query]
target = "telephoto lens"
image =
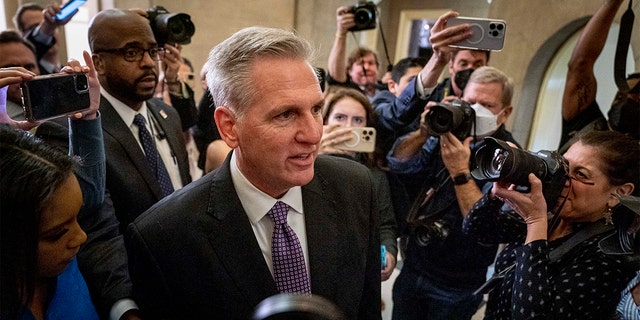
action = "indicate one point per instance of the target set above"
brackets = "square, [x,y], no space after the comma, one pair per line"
[497,161]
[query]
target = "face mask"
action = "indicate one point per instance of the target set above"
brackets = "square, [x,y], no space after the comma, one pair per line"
[624,116]
[486,122]
[461,78]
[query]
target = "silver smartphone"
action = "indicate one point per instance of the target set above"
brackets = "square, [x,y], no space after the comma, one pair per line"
[54,95]
[486,34]
[363,139]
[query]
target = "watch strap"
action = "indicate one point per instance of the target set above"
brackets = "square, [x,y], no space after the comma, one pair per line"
[461,178]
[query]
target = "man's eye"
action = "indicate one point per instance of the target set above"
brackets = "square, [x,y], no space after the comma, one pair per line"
[131,53]
[286,115]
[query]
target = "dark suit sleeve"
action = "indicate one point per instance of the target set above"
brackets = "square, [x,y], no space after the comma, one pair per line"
[149,287]
[41,48]
[371,294]
[102,259]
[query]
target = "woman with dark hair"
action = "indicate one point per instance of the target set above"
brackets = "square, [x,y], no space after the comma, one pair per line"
[41,193]
[346,109]
[557,270]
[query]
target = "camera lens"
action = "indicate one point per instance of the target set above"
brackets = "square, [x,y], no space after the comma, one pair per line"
[498,162]
[362,16]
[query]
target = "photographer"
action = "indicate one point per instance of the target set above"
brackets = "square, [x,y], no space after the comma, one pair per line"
[554,268]
[361,69]
[441,261]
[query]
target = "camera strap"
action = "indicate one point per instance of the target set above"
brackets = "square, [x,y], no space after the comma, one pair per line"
[426,195]
[591,230]
[620,61]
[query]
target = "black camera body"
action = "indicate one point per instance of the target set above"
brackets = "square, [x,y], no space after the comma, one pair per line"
[497,161]
[456,117]
[172,28]
[364,16]
[426,230]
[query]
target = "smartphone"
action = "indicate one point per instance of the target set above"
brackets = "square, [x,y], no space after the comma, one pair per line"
[69,8]
[363,140]
[486,34]
[383,256]
[54,95]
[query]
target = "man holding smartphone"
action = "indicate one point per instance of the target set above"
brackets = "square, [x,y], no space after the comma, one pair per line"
[39,25]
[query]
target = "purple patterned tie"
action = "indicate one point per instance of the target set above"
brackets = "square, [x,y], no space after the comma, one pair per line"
[289,269]
[152,156]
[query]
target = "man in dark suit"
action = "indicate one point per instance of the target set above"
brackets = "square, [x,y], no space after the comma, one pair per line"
[139,172]
[211,249]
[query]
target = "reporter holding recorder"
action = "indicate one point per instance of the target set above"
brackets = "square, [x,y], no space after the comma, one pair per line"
[540,283]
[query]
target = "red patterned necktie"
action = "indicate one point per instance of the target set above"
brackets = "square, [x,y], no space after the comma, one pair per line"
[289,268]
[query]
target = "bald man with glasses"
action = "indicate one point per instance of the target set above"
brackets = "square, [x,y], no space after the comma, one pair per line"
[145,149]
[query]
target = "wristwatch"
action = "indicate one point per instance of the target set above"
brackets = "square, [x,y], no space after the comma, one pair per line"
[461,178]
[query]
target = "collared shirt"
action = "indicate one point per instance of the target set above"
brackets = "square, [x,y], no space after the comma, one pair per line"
[627,308]
[257,204]
[162,144]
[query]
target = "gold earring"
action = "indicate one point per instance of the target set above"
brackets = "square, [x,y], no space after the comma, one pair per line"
[608,216]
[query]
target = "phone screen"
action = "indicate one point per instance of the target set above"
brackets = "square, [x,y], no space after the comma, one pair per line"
[69,8]
[54,95]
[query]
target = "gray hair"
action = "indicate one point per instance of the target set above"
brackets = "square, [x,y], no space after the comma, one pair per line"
[229,65]
[488,74]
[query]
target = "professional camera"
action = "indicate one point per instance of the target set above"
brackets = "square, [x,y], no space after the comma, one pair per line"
[364,16]
[172,28]
[426,230]
[497,161]
[457,117]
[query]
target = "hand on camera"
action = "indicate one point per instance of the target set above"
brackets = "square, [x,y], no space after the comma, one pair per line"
[172,60]
[530,206]
[455,154]
[73,65]
[345,20]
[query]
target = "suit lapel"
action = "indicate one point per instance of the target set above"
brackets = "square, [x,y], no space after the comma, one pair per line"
[113,125]
[322,240]
[234,242]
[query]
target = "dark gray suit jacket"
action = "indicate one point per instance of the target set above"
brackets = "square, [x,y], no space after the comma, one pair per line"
[194,254]
[130,182]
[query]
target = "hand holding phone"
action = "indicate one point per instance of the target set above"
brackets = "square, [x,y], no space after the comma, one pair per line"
[54,95]
[363,139]
[486,34]
[69,9]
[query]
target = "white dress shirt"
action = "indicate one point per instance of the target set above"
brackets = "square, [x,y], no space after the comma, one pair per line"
[257,204]
[162,144]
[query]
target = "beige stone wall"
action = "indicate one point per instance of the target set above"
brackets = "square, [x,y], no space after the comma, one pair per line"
[530,23]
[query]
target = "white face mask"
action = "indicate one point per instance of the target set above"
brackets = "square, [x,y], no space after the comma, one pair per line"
[486,122]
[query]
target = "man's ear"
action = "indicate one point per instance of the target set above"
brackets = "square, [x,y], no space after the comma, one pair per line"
[393,87]
[98,63]
[226,121]
[506,112]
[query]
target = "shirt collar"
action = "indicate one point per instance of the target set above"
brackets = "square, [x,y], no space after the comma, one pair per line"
[257,203]
[124,111]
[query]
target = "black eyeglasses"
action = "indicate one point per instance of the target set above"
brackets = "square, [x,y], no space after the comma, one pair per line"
[136,54]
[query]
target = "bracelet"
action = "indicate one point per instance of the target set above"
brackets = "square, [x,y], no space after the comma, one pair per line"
[340,35]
